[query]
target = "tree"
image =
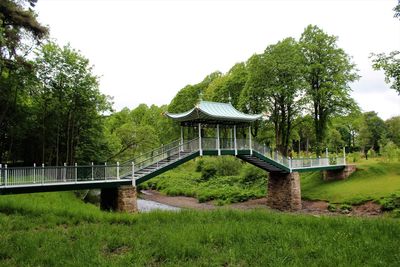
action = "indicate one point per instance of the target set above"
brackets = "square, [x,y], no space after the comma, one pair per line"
[69,104]
[393,129]
[276,78]
[228,85]
[372,131]
[188,96]
[19,32]
[328,72]
[390,64]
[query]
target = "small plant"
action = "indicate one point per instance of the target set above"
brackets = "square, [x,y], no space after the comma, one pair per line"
[390,203]
[345,208]
[332,207]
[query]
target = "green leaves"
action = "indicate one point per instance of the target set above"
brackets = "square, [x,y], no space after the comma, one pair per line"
[390,64]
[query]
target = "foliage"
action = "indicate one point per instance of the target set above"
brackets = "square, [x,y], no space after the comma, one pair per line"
[372,131]
[328,72]
[276,77]
[213,183]
[188,96]
[390,203]
[55,229]
[393,129]
[227,88]
[390,64]
[251,174]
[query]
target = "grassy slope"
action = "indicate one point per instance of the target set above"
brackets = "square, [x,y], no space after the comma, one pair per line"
[185,181]
[373,180]
[55,229]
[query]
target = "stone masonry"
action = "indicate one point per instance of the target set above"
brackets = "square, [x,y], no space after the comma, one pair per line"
[284,191]
[339,174]
[122,198]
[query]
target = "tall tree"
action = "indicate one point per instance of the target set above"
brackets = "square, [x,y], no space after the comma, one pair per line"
[69,103]
[276,77]
[19,32]
[393,129]
[328,72]
[372,131]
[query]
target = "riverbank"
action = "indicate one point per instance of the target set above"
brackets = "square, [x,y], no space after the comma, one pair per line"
[369,209]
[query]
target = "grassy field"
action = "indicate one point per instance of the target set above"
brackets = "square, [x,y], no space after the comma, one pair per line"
[57,229]
[373,180]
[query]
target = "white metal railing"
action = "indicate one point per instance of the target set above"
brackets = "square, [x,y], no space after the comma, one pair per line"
[153,160]
[297,163]
[40,175]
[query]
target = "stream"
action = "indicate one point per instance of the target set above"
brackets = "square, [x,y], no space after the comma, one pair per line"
[148,205]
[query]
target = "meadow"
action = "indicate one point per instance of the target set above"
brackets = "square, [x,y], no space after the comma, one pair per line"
[57,229]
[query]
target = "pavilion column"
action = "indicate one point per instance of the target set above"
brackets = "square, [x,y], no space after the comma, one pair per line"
[200,145]
[250,143]
[234,138]
[218,141]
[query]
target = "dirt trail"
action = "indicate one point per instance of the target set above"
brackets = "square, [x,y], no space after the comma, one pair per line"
[309,207]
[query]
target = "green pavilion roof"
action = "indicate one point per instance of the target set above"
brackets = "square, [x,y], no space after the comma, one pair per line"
[212,113]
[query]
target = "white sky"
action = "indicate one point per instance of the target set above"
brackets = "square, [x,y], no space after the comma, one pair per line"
[145,51]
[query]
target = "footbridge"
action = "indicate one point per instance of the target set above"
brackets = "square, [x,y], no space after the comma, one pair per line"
[284,183]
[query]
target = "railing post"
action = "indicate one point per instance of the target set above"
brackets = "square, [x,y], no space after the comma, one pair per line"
[319,160]
[310,161]
[344,155]
[133,174]
[218,141]
[76,172]
[200,145]
[105,171]
[42,173]
[92,171]
[290,164]
[34,173]
[250,144]
[65,172]
[234,138]
[5,175]
[1,171]
[118,170]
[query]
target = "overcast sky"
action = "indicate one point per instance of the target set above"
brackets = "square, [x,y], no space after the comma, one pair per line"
[145,51]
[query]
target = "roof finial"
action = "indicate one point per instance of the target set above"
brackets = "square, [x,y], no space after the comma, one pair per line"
[230,98]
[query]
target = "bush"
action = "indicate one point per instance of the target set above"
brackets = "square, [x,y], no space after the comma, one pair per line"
[390,203]
[345,208]
[208,171]
[332,207]
[250,174]
[199,165]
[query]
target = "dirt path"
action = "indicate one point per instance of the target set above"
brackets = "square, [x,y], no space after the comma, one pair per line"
[309,207]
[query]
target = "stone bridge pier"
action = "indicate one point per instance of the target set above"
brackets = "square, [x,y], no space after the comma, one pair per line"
[123,198]
[284,191]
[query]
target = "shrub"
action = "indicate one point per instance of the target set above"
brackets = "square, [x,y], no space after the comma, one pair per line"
[208,171]
[199,165]
[250,174]
[345,207]
[227,166]
[390,203]
[332,207]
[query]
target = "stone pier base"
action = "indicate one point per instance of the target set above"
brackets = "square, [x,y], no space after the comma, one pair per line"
[122,198]
[339,174]
[284,191]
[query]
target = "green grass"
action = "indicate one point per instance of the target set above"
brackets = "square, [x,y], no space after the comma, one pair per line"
[56,229]
[373,180]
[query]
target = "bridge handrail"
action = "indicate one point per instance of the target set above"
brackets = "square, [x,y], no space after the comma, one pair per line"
[155,150]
